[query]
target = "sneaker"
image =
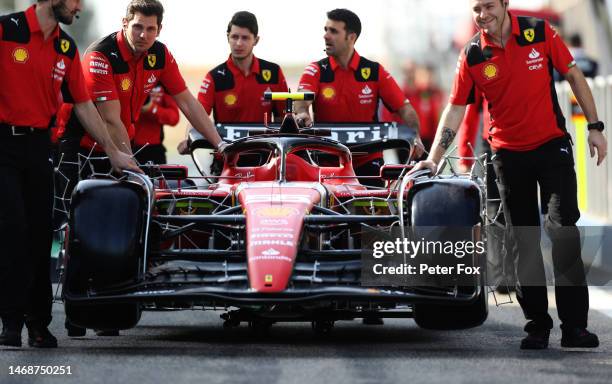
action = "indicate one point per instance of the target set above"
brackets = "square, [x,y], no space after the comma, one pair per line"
[536,340]
[40,337]
[11,333]
[373,321]
[578,338]
[107,332]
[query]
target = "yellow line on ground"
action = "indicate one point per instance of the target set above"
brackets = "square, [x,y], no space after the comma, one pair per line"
[580,123]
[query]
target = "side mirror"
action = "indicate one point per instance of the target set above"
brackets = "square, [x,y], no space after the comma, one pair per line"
[392,172]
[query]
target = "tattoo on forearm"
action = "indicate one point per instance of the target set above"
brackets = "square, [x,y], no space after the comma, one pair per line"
[448,135]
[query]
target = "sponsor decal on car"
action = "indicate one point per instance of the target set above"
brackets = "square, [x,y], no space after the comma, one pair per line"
[276,212]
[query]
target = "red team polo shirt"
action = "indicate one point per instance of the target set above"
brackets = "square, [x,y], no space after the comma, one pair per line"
[113,73]
[236,98]
[351,94]
[33,71]
[517,83]
[149,128]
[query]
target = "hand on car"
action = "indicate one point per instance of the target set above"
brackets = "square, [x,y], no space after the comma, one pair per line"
[598,141]
[419,147]
[121,161]
[183,147]
[303,119]
[425,164]
[221,147]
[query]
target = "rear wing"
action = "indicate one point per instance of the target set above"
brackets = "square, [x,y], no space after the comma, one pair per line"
[349,134]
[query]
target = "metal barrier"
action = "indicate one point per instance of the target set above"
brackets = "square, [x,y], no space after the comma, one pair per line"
[594,183]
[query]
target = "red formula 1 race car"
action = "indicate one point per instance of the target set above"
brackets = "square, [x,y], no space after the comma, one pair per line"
[277,236]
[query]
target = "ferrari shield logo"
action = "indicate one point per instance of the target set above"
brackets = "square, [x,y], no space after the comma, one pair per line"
[529,34]
[152,60]
[366,72]
[266,74]
[64,45]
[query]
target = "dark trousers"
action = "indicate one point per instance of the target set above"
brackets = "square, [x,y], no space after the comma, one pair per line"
[551,166]
[501,248]
[25,226]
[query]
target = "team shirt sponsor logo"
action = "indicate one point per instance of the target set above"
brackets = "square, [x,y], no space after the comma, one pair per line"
[266,74]
[126,84]
[328,93]
[366,96]
[21,55]
[490,71]
[151,60]
[98,66]
[59,71]
[311,70]
[230,99]
[366,72]
[152,79]
[64,45]
[529,34]
[535,60]
[205,86]
[95,63]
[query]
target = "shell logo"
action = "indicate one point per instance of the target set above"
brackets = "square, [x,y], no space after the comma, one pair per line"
[276,212]
[328,93]
[490,71]
[126,84]
[230,99]
[20,55]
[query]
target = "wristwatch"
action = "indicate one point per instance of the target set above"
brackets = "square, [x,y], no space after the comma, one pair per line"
[599,126]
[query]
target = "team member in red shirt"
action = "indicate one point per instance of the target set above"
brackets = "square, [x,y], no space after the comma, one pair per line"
[348,87]
[511,61]
[122,68]
[38,61]
[233,91]
[425,97]
[159,110]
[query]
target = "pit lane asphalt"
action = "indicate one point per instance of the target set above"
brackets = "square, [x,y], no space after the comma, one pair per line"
[192,346]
